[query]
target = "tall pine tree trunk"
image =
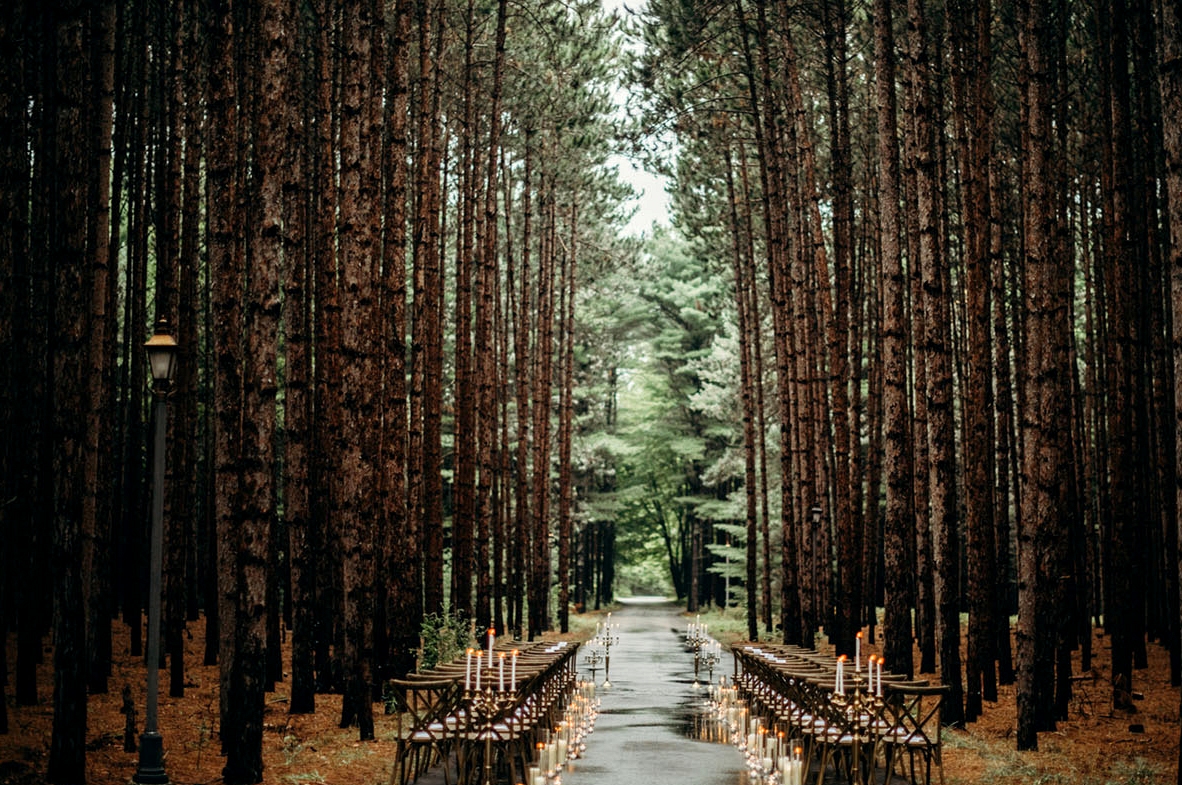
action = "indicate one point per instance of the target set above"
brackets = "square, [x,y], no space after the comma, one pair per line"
[542,386]
[847,481]
[1170,81]
[487,397]
[323,534]
[298,368]
[464,517]
[566,423]
[897,458]
[746,397]
[356,471]
[13,199]
[64,134]
[404,609]
[1124,521]
[227,262]
[751,297]
[523,387]
[937,346]
[1047,449]
[100,455]
[425,448]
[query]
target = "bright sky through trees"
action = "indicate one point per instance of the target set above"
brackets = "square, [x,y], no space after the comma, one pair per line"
[652,199]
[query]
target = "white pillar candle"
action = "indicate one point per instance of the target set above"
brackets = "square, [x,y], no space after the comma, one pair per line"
[878,681]
[501,672]
[478,655]
[468,672]
[513,670]
[492,637]
[858,652]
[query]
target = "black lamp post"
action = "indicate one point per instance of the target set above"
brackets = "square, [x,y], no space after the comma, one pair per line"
[162,350]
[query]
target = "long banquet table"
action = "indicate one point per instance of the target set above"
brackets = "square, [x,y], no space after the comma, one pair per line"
[839,718]
[480,720]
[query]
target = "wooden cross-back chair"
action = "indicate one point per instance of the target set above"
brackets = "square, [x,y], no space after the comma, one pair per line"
[913,727]
[427,722]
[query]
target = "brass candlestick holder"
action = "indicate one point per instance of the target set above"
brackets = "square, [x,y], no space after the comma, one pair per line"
[487,704]
[860,703]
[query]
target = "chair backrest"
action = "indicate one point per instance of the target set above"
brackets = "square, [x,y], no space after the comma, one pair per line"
[914,712]
[424,703]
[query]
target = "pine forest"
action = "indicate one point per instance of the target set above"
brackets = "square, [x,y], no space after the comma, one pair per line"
[901,352]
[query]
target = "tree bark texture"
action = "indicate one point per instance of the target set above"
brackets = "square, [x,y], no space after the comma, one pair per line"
[65,116]
[897,458]
[1170,79]
[1046,461]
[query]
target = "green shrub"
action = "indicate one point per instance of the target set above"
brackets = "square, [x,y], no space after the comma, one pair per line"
[444,637]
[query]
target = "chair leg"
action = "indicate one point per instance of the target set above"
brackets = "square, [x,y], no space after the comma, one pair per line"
[445,760]
[822,762]
[397,771]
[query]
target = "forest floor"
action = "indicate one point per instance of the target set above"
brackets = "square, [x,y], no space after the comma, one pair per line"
[1093,747]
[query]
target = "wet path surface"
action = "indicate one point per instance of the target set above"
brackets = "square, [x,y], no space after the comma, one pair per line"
[646,715]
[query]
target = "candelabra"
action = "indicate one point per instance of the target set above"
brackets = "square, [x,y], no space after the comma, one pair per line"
[606,636]
[710,654]
[695,638]
[859,701]
[487,703]
[593,659]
